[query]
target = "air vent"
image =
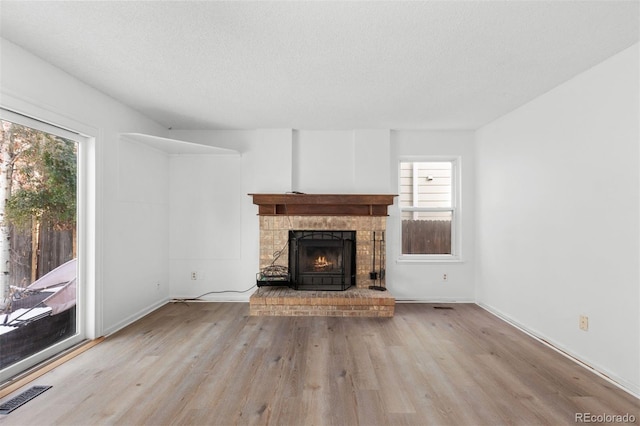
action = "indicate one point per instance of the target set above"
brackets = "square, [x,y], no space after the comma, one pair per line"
[22,398]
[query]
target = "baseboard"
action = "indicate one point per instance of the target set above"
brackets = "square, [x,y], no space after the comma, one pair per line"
[612,378]
[438,300]
[135,317]
[209,298]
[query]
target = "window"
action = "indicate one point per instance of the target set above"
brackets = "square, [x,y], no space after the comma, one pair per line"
[429,209]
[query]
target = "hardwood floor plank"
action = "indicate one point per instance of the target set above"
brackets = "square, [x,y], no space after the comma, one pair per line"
[360,366]
[394,395]
[213,364]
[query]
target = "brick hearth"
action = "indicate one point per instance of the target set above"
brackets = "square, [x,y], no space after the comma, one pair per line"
[354,302]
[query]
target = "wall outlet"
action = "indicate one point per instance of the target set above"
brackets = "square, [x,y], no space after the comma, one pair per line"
[158,286]
[445,277]
[584,323]
[194,275]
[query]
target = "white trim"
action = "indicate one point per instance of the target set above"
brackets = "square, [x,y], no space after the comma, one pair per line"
[415,192]
[175,146]
[33,109]
[428,258]
[428,209]
[26,121]
[436,300]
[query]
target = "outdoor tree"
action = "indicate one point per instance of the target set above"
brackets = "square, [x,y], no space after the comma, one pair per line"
[13,141]
[37,185]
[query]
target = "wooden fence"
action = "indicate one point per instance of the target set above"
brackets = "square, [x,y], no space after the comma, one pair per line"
[30,261]
[426,237]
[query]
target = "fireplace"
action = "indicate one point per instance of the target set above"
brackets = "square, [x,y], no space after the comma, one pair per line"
[329,222]
[322,259]
[322,242]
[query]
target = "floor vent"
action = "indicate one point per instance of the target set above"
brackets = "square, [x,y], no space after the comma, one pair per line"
[442,307]
[21,399]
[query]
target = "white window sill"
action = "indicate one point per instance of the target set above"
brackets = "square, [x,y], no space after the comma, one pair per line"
[417,259]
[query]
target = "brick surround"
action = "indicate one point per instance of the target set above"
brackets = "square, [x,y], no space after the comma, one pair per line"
[274,234]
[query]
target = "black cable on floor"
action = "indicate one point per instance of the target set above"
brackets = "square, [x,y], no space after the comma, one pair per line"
[212,292]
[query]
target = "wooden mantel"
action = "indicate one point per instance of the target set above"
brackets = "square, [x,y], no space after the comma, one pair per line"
[292,204]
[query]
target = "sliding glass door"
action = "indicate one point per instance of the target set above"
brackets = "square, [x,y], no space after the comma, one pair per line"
[40,307]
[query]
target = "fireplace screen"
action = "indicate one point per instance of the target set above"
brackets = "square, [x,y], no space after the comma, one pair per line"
[322,260]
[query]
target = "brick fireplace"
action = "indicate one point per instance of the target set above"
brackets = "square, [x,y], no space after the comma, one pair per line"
[282,215]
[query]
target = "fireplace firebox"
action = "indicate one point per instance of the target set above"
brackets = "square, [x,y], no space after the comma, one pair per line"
[322,260]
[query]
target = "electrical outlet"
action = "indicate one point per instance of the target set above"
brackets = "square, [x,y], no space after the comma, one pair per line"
[445,277]
[194,275]
[584,323]
[158,286]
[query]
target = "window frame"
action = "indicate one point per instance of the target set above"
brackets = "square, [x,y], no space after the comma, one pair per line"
[455,209]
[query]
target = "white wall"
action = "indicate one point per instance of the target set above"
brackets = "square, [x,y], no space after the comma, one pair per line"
[341,161]
[204,227]
[558,217]
[423,281]
[129,252]
[136,242]
[222,235]
[372,168]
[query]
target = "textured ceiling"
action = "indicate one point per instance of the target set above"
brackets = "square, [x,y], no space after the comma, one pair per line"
[322,65]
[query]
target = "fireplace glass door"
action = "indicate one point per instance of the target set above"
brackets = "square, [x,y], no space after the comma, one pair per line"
[322,260]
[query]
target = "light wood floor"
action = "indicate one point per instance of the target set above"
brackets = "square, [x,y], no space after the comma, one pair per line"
[212,364]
